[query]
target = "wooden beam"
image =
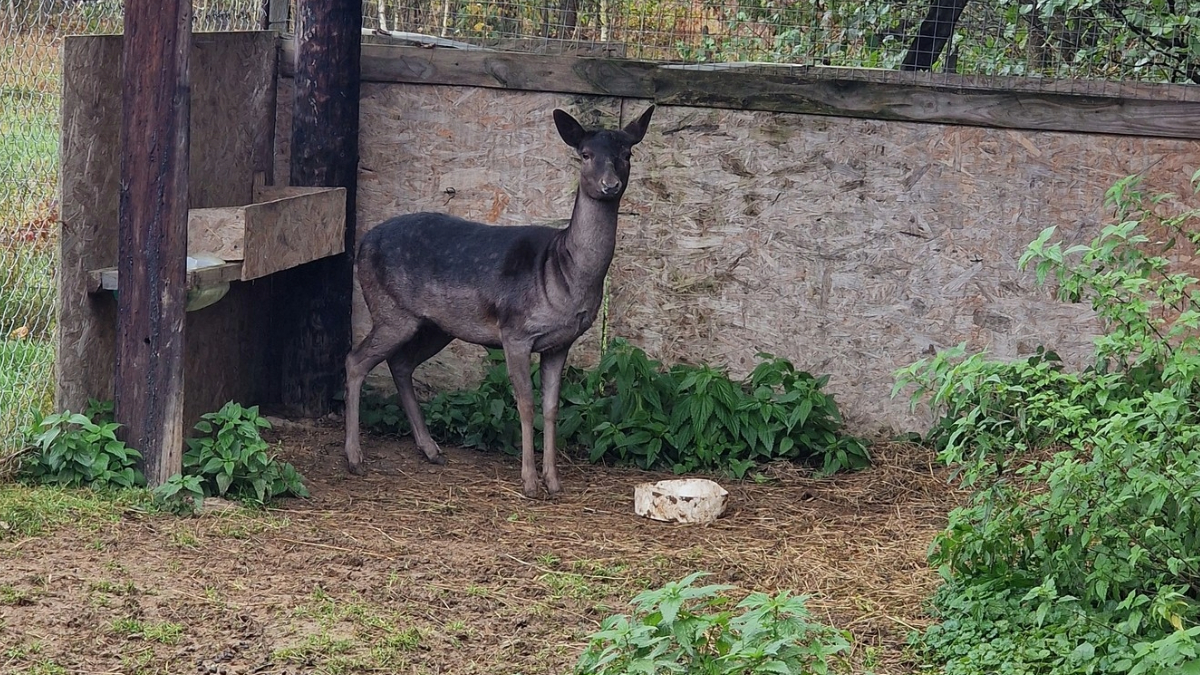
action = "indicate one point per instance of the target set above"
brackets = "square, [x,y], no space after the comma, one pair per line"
[109,278]
[152,239]
[311,313]
[1169,111]
[906,103]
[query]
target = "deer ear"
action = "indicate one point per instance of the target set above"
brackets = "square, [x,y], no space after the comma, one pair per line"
[637,128]
[570,130]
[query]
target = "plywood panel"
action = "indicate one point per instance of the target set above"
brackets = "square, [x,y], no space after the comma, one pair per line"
[233,106]
[231,137]
[91,114]
[296,229]
[850,246]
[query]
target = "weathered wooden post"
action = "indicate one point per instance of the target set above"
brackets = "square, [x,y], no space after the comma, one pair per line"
[312,303]
[152,240]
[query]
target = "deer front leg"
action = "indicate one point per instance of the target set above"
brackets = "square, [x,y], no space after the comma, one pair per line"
[552,370]
[517,358]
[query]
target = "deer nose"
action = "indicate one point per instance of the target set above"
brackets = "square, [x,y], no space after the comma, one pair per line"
[610,187]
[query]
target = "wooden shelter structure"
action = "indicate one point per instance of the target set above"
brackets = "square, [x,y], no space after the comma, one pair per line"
[168,150]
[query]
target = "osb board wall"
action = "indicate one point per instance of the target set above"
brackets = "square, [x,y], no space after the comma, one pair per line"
[233,99]
[852,247]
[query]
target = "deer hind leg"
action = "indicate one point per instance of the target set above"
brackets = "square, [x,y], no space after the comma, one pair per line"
[517,358]
[427,341]
[373,350]
[552,370]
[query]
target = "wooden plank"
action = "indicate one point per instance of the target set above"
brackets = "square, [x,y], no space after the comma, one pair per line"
[108,278]
[1168,111]
[91,114]
[152,242]
[232,116]
[311,308]
[906,103]
[530,72]
[271,230]
[220,232]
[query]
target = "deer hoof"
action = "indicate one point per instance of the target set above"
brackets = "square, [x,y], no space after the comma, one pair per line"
[553,486]
[532,492]
[434,457]
[356,468]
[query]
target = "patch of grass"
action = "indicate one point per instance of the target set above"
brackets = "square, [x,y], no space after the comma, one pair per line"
[181,538]
[165,632]
[353,636]
[314,646]
[22,651]
[12,596]
[571,585]
[102,586]
[27,511]
[46,667]
[26,388]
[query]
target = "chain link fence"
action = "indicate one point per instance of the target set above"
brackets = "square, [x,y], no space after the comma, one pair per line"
[1087,40]
[31,33]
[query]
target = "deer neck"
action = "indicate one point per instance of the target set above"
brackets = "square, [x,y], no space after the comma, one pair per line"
[589,240]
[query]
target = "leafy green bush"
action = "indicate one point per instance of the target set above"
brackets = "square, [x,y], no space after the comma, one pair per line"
[230,458]
[182,495]
[81,450]
[630,409]
[1079,551]
[680,628]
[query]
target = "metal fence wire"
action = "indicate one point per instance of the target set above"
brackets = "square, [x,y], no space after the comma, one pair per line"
[31,33]
[1105,40]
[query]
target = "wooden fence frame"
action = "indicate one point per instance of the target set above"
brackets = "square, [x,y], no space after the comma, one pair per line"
[1147,110]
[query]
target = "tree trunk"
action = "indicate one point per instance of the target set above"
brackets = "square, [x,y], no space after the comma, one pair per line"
[935,31]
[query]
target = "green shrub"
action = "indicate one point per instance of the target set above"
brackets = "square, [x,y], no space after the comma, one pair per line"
[81,450]
[631,409]
[230,458]
[182,495]
[1079,551]
[681,628]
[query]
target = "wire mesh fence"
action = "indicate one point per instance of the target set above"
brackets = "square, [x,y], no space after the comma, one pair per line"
[1108,40]
[31,33]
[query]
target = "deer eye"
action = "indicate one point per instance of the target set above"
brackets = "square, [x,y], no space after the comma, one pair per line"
[586,154]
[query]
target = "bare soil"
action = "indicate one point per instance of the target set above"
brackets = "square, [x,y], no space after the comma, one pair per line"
[416,568]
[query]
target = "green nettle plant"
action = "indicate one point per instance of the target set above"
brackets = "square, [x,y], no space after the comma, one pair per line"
[1079,551]
[681,628]
[81,450]
[182,495]
[230,458]
[631,409]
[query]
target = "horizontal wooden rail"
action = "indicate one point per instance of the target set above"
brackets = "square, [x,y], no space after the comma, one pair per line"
[107,279]
[1168,111]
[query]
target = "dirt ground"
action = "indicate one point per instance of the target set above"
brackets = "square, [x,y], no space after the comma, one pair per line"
[416,568]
